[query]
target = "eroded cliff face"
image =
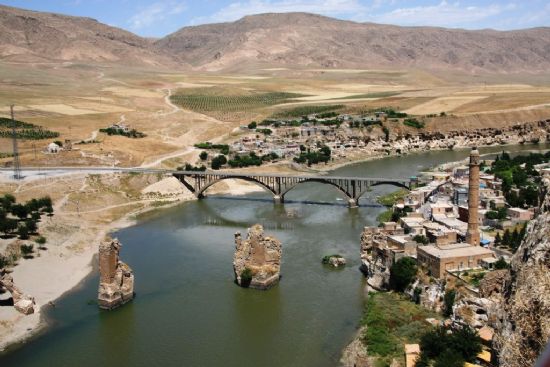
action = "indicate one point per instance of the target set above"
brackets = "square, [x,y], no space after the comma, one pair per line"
[523,315]
[257,260]
[116,279]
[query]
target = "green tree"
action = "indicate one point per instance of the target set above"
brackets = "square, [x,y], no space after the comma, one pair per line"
[498,239]
[507,239]
[402,273]
[252,125]
[31,225]
[8,225]
[501,264]
[20,211]
[23,231]
[449,301]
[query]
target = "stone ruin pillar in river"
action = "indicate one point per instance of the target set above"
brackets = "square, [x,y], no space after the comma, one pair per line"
[257,260]
[116,279]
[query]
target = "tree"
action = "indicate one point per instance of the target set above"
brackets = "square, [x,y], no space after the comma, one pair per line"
[449,301]
[8,225]
[218,161]
[402,273]
[507,239]
[31,225]
[23,231]
[20,211]
[252,125]
[7,201]
[449,358]
[203,156]
[501,264]
[498,239]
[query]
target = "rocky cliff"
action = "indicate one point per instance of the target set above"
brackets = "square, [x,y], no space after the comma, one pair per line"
[257,261]
[523,315]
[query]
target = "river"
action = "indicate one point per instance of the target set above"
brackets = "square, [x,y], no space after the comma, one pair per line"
[188,312]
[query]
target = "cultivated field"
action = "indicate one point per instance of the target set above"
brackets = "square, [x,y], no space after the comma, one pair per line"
[177,109]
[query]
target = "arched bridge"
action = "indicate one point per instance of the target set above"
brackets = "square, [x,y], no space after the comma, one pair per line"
[279,185]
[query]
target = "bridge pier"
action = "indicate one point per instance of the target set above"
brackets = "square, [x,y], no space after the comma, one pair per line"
[352,203]
[277,199]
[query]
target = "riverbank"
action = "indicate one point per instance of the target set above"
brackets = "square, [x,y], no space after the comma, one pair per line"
[80,222]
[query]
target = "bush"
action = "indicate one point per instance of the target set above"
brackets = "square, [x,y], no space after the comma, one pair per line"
[246,277]
[402,273]
[252,125]
[412,122]
[203,156]
[41,240]
[27,250]
[326,258]
[462,345]
[218,161]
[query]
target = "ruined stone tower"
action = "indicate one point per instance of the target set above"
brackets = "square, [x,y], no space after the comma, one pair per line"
[116,279]
[257,260]
[472,235]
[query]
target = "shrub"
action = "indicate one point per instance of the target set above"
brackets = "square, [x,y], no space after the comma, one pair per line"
[252,125]
[203,156]
[27,250]
[41,240]
[246,277]
[326,258]
[402,273]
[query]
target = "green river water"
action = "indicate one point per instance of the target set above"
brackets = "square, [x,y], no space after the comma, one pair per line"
[188,312]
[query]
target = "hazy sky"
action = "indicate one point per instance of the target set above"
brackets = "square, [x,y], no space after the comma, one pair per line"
[160,17]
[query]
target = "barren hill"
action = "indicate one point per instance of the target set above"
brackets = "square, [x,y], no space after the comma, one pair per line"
[35,36]
[300,39]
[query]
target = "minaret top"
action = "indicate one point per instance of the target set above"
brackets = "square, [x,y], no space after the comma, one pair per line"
[474,151]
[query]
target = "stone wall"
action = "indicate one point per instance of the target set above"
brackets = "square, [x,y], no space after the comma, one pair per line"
[257,260]
[116,279]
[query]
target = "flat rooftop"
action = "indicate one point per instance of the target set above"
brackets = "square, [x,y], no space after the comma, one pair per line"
[455,250]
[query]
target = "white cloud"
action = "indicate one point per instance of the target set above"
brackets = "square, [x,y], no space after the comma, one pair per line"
[240,9]
[444,14]
[156,13]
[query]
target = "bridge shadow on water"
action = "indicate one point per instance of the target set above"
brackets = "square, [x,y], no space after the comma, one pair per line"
[306,202]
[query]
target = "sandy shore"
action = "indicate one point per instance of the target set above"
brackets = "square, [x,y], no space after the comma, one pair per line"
[73,242]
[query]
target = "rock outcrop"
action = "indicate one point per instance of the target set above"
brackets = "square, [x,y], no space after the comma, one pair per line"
[257,260]
[22,302]
[523,323]
[116,279]
[334,260]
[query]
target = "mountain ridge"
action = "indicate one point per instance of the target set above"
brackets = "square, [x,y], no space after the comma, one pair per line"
[275,39]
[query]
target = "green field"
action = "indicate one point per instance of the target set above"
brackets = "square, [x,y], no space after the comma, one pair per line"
[206,100]
[307,110]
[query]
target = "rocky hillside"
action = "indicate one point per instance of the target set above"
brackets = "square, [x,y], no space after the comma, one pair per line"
[300,39]
[292,39]
[524,326]
[30,36]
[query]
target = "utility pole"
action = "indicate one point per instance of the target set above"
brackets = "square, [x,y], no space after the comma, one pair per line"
[16,162]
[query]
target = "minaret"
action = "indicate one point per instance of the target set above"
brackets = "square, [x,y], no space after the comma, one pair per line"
[472,235]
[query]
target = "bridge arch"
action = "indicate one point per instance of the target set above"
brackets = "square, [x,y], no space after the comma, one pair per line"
[319,180]
[200,193]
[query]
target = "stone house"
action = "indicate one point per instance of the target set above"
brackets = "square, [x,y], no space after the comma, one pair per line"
[454,257]
[520,215]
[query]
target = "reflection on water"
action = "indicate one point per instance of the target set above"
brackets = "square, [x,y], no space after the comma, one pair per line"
[188,311]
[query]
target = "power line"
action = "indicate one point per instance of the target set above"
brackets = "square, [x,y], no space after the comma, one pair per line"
[16,162]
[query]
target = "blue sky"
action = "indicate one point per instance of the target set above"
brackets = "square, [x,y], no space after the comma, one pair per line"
[156,18]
